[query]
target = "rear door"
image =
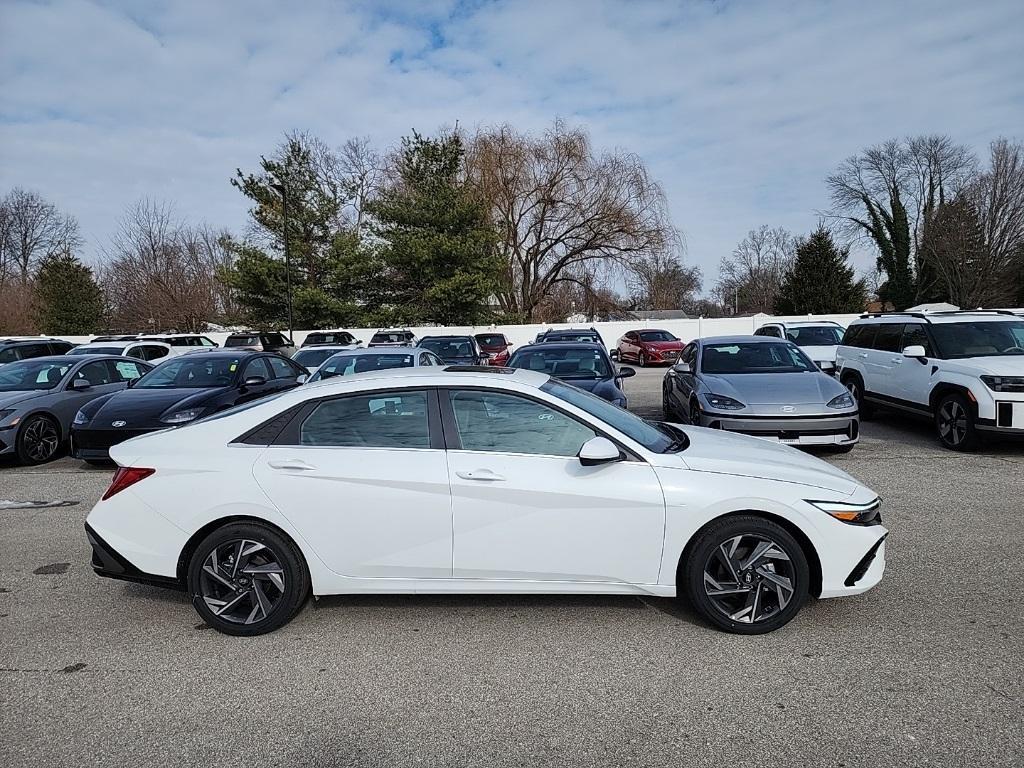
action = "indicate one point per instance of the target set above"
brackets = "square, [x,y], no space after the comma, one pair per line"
[523,506]
[364,478]
[883,358]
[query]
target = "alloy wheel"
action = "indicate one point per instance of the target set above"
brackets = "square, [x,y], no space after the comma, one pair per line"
[952,422]
[40,439]
[749,578]
[242,581]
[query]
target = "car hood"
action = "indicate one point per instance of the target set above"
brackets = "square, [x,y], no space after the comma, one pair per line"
[729,453]
[10,399]
[808,387]
[142,408]
[1002,365]
[821,354]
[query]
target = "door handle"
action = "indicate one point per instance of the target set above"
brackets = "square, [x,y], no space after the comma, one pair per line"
[895,359]
[297,464]
[480,474]
[863,355]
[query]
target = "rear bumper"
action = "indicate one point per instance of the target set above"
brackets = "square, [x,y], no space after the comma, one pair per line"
[109,563]
[798,430]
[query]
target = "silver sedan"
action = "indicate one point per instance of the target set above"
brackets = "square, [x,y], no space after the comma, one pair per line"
[760,386]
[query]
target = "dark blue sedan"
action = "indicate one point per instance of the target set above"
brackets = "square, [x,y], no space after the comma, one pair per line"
[583,365]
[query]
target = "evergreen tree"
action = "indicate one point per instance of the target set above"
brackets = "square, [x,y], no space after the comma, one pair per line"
[821,280]
[440,255]
[67,298]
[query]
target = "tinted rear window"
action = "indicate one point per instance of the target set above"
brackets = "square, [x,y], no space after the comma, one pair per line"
[242,341]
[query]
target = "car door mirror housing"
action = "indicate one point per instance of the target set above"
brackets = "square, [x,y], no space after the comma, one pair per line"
[599,450]
[254,381]
[915,351]
[80,384]
[625,373]
[302,378]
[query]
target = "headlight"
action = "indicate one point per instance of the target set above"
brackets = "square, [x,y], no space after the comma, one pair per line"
[5,413]
[1004,383]
[180,417]
[844,400]
[724,403]
[80,418]
[854,514]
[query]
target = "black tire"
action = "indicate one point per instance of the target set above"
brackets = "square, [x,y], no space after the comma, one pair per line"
[855,386]
[693,416]
[774,610]
[666,410]
[240,593]
[38,440]
[641,359]
[955,423]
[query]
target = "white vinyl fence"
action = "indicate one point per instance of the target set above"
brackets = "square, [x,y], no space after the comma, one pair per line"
[610,332]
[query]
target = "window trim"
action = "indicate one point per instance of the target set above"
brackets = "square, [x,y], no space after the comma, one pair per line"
[290,434]
[451,429]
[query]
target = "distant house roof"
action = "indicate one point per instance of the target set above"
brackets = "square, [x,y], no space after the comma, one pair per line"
[936,307]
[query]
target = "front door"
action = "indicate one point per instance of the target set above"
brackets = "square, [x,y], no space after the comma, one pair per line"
[364,478]
[524,508]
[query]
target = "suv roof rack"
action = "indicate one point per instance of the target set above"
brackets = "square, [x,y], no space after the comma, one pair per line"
[942,313]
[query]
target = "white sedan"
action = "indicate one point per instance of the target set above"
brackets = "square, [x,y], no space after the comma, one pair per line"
[424,480]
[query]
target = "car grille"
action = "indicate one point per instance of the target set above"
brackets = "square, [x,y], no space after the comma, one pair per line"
[100,439]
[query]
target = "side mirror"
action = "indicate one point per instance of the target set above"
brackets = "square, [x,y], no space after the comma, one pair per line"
[358,341]
[625,373]
[915,351]
[254,381]
[79,385]
[302,378]
[131,383]
[598,450]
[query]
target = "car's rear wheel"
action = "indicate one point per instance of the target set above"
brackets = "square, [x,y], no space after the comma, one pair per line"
[38,440]
[954,423]
[247,579]
[746,575]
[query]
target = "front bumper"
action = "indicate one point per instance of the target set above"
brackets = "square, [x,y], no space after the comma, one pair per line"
[663,356]
[1008,412]
[95,444]
[109,563]
[795,430]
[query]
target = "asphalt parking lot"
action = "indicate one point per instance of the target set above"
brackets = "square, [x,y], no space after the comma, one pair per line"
[925,669]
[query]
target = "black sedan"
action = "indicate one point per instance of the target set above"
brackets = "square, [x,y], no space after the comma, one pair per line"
[454,350]
[586,366]
[177,392]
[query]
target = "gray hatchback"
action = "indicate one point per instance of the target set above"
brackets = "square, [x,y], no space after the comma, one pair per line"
[760,386]
[40,397]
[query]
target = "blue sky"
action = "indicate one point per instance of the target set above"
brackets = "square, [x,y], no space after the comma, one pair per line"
[740,109]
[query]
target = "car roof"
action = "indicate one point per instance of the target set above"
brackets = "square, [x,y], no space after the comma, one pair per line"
[328,348]
[27,340]
[938,318]
[448,376]
[378,351]
[449,336]
[117,344]
[804,323]
[561,345]
[217,352]
[652,330]
[74,359]
[738,339]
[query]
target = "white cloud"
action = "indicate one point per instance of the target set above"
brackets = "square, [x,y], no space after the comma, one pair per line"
[740,109]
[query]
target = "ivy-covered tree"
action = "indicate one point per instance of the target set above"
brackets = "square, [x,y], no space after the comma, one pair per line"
[441,263]
[821,280]
[67,298]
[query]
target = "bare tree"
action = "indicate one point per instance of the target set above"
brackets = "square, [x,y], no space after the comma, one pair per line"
[558,207]
[362,167]
[749,281]
[160,274]
[31,229]
[662,281]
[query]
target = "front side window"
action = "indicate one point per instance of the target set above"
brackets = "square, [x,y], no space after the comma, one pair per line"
[205,342]
[97,374]
[127,370]
[754,357]
[815,336]
[992,338]
[860,336]
[282,368]
[274,340]
[256,367]
[373,420]
[504,423]
[242,341]
[8,355]
[914,334]
[888,337]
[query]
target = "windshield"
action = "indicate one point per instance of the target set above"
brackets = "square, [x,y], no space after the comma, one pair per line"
[651,437]
[389,338]
[190,372]
[754,357]
[346,365]
[242,341]
[330,338]
[492,340]
[993,338]
[311,358]
[31,375]
[448,349]
[657,336]
[96,351]
[564,362]
[815,336]
[592,338]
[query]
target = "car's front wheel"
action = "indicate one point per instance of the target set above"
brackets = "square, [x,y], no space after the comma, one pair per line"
[954,423]
[247,579]
[38,440]
[745,574]
[855,387]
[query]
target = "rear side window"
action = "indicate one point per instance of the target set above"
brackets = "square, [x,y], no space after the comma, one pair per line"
[860,336]
[374,420]
[59,347]
[127,370]
[8,355]
[888,337]
[256,367]
[274,340]
[282,368]
[242,341]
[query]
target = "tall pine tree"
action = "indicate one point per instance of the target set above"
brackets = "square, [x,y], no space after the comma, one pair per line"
[67,298]
[821,280]
[440,255]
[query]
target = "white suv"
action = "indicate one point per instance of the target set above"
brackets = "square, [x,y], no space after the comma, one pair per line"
[819,339]
[964,370]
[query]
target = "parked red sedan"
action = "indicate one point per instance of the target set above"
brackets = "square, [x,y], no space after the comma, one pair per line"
[649,346]
[495,346]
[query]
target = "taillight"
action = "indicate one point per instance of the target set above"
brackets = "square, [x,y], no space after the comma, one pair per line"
[124,477]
